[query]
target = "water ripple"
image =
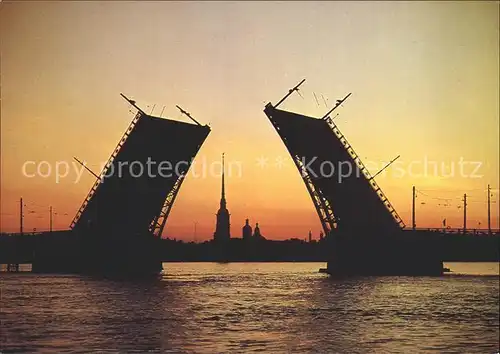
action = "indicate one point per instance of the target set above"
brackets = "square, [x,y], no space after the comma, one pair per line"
[213,308]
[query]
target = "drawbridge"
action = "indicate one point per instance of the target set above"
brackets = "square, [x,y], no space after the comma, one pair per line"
[137,187]
[344,193]
[117,227]
[363,229]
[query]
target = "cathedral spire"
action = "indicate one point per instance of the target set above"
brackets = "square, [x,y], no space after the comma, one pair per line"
[223,194]
[222,228]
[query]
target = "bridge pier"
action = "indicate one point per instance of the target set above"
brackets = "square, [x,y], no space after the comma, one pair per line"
[384,255]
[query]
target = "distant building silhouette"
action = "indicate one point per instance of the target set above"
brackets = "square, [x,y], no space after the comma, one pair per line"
[222,228]
[310,236]
[247,231]
[256,233]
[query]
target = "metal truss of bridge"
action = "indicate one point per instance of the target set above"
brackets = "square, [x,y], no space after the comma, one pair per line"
[130,198]
[347,201]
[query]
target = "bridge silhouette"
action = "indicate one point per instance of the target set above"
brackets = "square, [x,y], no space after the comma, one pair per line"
[117,228]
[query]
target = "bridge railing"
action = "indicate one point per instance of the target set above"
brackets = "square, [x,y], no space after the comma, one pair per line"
[105,169]
[459,231]
[366,173]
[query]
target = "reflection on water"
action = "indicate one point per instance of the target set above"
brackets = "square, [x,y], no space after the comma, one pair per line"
[209,307]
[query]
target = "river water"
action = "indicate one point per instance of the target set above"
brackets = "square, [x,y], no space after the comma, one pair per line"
[250,307]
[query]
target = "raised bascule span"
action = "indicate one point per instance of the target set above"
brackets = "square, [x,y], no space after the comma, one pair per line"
[126,210]
[363,229]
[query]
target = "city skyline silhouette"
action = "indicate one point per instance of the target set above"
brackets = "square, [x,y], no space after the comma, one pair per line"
[427,90]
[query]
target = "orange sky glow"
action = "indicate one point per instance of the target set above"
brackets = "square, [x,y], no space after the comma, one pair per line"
[424,78]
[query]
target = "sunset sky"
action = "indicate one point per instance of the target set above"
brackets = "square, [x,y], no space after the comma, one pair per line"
[424,78]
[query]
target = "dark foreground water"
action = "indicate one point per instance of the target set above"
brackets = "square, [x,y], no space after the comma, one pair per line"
[245,307]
